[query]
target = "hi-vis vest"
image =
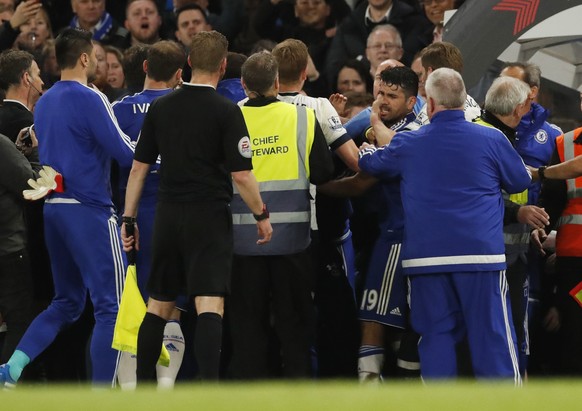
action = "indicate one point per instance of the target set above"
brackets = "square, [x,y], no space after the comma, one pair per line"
[515,236]
[569,237]
[281,138]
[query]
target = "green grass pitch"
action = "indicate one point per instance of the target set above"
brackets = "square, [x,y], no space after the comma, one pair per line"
[550,395]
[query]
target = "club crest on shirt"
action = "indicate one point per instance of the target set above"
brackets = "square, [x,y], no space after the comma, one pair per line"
[244,147]
[541,136]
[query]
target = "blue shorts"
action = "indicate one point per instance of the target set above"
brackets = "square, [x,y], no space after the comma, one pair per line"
[385,290]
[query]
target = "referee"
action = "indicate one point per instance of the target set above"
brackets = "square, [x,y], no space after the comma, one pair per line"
[203,140]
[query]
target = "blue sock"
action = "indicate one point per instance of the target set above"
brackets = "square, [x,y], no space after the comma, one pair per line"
[17,362]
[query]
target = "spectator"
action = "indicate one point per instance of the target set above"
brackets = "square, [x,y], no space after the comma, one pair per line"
[384,42]
[91,15]
[114,58]
[353,76]
[435,12]
[10,29]
[35,33]
[143,21]
[228,22]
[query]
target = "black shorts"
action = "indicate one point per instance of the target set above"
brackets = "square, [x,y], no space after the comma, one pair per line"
[192,250]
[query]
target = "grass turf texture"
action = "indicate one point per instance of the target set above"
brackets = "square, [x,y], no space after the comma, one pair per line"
[535,395]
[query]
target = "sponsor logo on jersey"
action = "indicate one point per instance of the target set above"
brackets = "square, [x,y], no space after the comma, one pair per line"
[396,311]
[335,123]
[541,136]
[244,147]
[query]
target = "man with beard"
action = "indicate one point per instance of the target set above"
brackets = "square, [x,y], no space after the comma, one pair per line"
[383,302]
[143,22]
[80,136]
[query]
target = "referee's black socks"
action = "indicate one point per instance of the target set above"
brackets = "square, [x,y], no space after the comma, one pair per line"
[208,344]
[149,346]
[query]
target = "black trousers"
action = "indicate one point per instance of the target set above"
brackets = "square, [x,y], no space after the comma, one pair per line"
[569,274]
[271,291]
[16,299]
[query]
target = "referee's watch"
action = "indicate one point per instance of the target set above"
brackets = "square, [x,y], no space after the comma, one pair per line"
[264,215]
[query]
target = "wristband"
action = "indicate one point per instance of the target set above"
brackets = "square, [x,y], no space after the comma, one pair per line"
[542,173]
[128,220]
[264,215]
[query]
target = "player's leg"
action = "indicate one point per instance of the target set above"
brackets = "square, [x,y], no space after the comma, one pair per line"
[383,304]
[174,343]
[70,292]
[16,300]
[436,316]
[487,314]
[248,310]
[98,254]
[150,337]
[517,281]
[291,278]
[206,243]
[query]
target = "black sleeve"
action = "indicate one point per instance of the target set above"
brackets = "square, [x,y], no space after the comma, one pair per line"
[15,170]
[236,143]
[271,21]
[8,35]
[511,209]
[320,159]
[553,196]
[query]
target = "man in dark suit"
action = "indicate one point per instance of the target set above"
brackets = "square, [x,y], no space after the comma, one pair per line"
[20,77]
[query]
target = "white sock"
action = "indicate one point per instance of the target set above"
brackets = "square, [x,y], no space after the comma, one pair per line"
[370,362]
[174,343]
[126,376]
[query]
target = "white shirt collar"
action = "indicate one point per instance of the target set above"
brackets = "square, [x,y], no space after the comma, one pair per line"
[16,101]
[386,16]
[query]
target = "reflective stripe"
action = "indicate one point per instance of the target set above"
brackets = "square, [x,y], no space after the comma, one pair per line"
[454,260]
[60,200]
[275,218]
[515,238]
[570,219]
[569,154]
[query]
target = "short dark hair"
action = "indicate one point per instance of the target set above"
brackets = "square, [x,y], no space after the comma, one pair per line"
[164,59]
[259,72]
[70,44]
[234,63]
[133,59]
[207,50]
[402,77]
[129,2]
[13,65]
[361,68]
[190,7]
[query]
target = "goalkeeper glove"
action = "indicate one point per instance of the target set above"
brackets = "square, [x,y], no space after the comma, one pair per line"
[48,182]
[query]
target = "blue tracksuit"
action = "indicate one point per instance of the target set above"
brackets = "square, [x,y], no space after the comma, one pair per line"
[78,136]
[130,112]
[452,174]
